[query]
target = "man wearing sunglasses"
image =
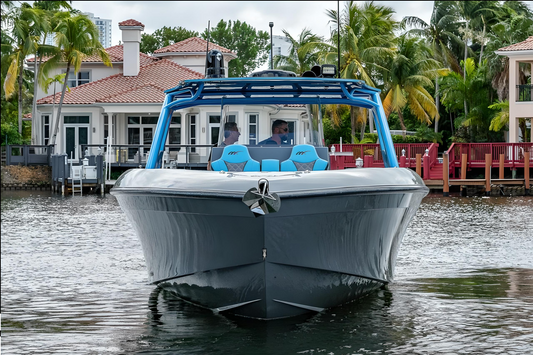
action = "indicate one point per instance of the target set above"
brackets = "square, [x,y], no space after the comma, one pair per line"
[280,133]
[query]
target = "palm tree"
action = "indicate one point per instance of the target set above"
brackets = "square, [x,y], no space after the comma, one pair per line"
[475,14]
[514,26]
[303,53]
[457,90]
[49,8]
[26,22]
[410,71]
[439,35]
[501,118]
[367,38]
[76,38]
[56,79]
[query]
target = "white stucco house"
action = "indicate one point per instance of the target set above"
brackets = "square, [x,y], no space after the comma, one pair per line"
[122,103]
[520,96]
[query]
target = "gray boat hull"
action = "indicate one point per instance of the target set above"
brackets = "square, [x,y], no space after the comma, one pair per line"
[324,247]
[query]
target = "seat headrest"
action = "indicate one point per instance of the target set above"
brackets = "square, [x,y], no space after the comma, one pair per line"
[304,153]
[235,153]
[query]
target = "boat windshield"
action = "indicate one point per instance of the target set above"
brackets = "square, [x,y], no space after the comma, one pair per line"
[267,125]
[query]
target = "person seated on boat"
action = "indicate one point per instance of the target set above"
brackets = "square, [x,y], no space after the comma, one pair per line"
[280,133]
[231,135]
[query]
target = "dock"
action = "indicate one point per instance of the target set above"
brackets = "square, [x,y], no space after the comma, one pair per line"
[498,168]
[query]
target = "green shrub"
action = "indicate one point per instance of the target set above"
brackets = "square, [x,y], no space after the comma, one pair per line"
[10,135]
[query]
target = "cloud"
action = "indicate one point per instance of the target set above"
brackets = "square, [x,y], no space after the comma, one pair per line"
[292,16]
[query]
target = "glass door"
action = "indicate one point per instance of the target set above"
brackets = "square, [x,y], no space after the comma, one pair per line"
[75,136]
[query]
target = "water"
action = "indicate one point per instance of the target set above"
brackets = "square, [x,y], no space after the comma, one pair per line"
[74,281]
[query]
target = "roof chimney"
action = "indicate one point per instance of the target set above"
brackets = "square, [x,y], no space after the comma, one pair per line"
[131,39]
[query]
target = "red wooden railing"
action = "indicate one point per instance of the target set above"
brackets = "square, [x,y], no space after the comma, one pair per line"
[411,150]
[513,152]
[475,154]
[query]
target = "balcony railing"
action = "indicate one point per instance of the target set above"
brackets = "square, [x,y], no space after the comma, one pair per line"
[137,154]
[524,92]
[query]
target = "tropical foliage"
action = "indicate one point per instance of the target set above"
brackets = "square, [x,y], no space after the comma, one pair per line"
[163,37]
[442,76]
[250,45]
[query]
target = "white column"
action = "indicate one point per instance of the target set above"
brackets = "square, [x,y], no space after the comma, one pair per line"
[513,81]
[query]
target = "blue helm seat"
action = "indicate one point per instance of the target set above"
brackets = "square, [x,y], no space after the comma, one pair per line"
[235,157]
[304,157]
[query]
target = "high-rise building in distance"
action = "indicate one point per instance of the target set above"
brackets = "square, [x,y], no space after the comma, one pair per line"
[104,27]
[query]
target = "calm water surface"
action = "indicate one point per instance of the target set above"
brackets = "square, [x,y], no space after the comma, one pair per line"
[74,281]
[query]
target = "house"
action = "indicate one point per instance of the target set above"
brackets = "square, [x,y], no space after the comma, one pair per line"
[122,103]
[520,99]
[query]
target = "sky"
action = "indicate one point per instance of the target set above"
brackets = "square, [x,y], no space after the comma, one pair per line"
[292,16]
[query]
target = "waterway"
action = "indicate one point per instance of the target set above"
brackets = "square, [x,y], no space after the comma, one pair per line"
[74,282]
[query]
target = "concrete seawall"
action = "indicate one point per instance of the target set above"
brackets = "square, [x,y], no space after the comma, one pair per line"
[19,177]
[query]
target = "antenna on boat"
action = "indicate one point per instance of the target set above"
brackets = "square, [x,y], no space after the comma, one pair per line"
[338,40]
[207,49]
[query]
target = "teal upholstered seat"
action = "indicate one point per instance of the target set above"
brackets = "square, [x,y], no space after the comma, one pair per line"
[270,165]
[304,157]
[235,157]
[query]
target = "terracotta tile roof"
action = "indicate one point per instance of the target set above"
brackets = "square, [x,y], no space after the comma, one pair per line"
[141,94]
[526,45]
[131,22]
[193,44]
[116,55]
[146,87]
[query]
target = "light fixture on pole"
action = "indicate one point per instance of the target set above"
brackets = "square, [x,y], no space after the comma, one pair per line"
[271,24]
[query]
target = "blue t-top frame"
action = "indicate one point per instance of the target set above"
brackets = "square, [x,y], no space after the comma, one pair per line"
[259,90]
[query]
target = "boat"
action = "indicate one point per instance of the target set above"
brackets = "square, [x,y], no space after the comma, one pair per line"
[271,232]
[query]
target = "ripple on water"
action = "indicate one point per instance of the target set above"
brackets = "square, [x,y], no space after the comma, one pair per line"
[74,281]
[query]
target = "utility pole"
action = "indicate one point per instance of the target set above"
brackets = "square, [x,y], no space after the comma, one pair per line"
[271,24]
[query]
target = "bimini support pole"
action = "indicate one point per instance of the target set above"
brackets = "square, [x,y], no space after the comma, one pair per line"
[385,139]
[161,131]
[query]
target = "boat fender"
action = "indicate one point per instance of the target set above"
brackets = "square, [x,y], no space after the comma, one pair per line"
[260,201]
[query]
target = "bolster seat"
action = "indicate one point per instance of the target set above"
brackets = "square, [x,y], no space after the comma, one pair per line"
[304,157]
[235,158]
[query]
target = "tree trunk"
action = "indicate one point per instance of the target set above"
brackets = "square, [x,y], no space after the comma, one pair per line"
[21,72]
[451,122]
[437,104]
[464,69]
[353,121]
[371,121]
[466,44]
[34,128]
[482,42]
[363,125]
[56,128]
[400,116]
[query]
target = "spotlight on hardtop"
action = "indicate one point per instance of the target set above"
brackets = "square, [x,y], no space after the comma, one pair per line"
[321,71]
[276,73]
[215,64]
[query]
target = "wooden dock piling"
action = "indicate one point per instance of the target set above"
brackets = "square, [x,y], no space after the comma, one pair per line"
[488,162]
[419,164]
[526,171]
[445,175]
[502,162]
[464,158]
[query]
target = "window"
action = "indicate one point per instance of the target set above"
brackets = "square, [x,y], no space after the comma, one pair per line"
[79,78]
[106,128]
[174,132]
[46,129]
[253,129]
[192,131]
[76,119]
[214,128]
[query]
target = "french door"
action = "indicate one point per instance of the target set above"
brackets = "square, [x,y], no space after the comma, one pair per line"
[75,136]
